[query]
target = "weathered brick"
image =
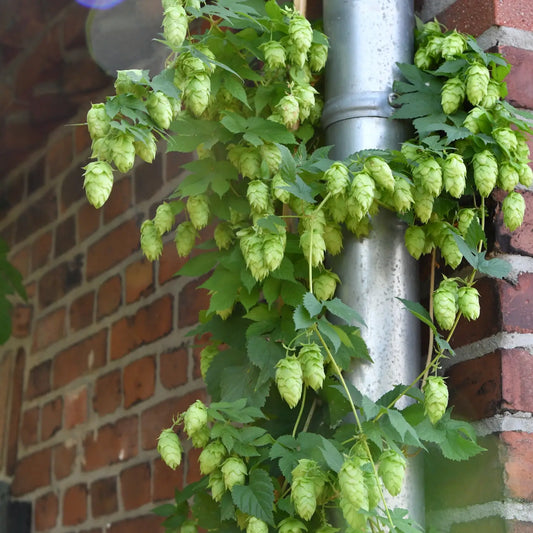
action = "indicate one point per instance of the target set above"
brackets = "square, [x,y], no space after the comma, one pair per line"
[17,387]
[120,199]
[112,248]
[82,139]
[108,393]
[139,381]
[517,387]
[41,251]
[515,526]
[191,301]
[104,499]
[519,464]
[21,261]
[30,426]
[21,317]
[139,280]
[36,176]
[88,221]
[82,357]
[75,505]
[193,466]
[148,179]
[174,162]
[59,280]
[36,216]
[173,368]
[519,241]
[46,510]
[75,407]
[81,311]
[59,156]
[32,472]
[111,443]
[517,304]
[135,486]
[166,480]
[51,418]
[492,524]
[109,297]
[142,523]
[49,329]
[65,236]
[39,380]
[169,263]
[64,457]
[150,323]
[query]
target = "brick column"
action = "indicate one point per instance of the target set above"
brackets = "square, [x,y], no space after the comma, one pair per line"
[491,377]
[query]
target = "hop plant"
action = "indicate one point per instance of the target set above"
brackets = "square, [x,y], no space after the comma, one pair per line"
[485,172]
[435,398]
[415,241]
[274,249]
[402,197]
[206,358]
[423,60]
[256,525]
[289,111]
[98,182]
[159,108]
[337,178]
[151,243]
[196,94]
[175,25]
[513,207]
[508,177]
[122,151]
[454,175]
[300,33]
[195,418]
[468,302]
[325,284]
[212,457]
[201,437]
[506,138]
[453,45]
[312,364]
[362,191]
[428,175]
[169,447]
[450,250]
[333,239]
[223,235]
[313,247]
[493,95]
[525,174]
[252,247]
[164,218]
[216,484]
[185,238]
[318,55]
[473,120]
[283,195]
[352,484]
[452,95]
[189,526]
[465,218]
[392,470]
[477,81]
[445,304]
[291,525]
[275,55]
[380,172]
[249,162]
[146,149]
[233,472]
[307,485]
[198,209]
[423,204]
[271,155]
[289,379]
[98,121]
[258,196]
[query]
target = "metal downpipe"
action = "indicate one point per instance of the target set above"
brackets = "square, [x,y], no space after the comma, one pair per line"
[367,39]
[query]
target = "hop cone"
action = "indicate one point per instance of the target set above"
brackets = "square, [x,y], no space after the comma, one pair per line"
[485,172]
[303,497]
[252,247]
[275,56]
[305,96]
[428,175]
[423,204]
[123,151]
[353,516]
[201,437]
[434,45]
[333,238]
[223,235]
[98,121]
[195,418]
[336,177]
[124,84]
[185,238]
[216,484]
[453,45]
[175,25]
[318,55]
[473,118]
[402,198]
[493,95]
[445,304]
[313,247]
[312,363]
[206,358]
[291,525]
[300,33]
[164,218]
[352,484]
[289,380]
[289,111]
[255,525]
[198,209]
[281,194]
[435,398]
[160,110]
[508,177]
[525,174]
[151,243]
[337,208]
[325,284]
[452,95]
[506,138]
[258,196]
[468,302]
[249,163]
[392,470]
[274,249]
[464,220]
[211,457]
[477,81]
[234,472]
[371,482]
[450,251]
[188,527]
[101,149]
[423,59]
[98,182]
[380,172]
[454,175]
[169,447]
[363,191]
[513,208]
[272,156]
[146,149]
[196,94]
[415,241]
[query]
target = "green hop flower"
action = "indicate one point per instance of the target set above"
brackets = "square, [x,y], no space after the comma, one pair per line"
[318,55]
[402,198]
[160,110]
[98,121]
[508,177]
[275,55]
[122,151]
[216,484]
[195,418]
[415,241]
[325,284]
[428,175]
[477,81]
[352,484]
[445,304]
[333,239]
[513,207]
[198,209]
[313,247]
[256,525]
[278,192]
[352,514]
[185,238]
[485,172]
[423,60]
[151,243]
[289,380]
[453,45]
[337,208]
[289,111]
[258,196]
[307,486]
[169,447]
[435,398]
[291,525]
[363,192]
[234,472]
[223,235]
[493,95]
[452,95]
[380,172]
[98,182]
[468,302]
[392,471]
[434,45]
[454,175]
[312,363]
[450,251]
[164,218]
[101,149]
[252,247]
[465,218]
[506,138]
[305,96]
[274,249]
[175,25]
[337,178]
[271,155]
[300,32]
[423,204]
[249,164]
[196,94]
[188,527]
[372,486]
[206,358]
[525,174]
[212,457]
[522,148]
[124,84]
[201,437]
[146,149]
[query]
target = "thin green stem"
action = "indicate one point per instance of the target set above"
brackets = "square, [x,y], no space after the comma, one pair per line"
[300,413]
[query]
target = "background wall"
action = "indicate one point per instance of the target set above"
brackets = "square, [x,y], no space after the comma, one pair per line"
[100,359]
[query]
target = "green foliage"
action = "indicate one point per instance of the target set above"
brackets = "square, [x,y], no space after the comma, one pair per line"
[245,95]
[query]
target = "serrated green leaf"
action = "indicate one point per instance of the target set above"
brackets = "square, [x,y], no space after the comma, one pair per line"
[495,268]
[328,331]
[301,190]
[302,319]
[264,354]
[191,132]
[164,82]
[313,306]
[257,497]
[405,430]
[199,264]
[339,309]
[227,508]
[206,511]
[420,312]
[166,509]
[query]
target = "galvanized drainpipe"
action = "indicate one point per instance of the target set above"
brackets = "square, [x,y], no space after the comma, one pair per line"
[367,39]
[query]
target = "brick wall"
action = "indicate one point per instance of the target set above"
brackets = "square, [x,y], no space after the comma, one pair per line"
[491,376]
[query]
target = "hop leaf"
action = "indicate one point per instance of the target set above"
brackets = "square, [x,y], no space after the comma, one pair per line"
[198,209]
[169,447]
[98,182]
[185,238]
[211,457]
[435,398]
[477,81]
[445,304]
[513,207]
[380,172]
[392,471]
[289,380]
[151,243]
[454,175]
[468,302]
[164,218]
[98,121]
[233,472]
[452,95]
[195,418]
[312,364]
[485,172]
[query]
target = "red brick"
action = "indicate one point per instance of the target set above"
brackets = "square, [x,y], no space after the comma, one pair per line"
[21,261]
[39,380]
[148,179]
[519,241]
[59,156]
[104,496]
[111,443]
[65,236]
[514,526]
[36,216]
[29,427]
[108,393]
[166,480]
[49,329]
[169,263]
[82,139]
[139,381]
[109,297]
[519,464]
[32,472]
[517,304]
[46,509]
[75,505]
[81,311]
[173,368]
[193,466]
[21,317]
[6,365]
[51,418]
[64,457]
[75,407]
[519,79]
[140,524]
[139,280]
[135,486]
[88,221]
[120,199]
[174,162]
[150,323]
[79,359]
[113,248]
[72,191]
[58,281]
[517,387]
[492,524]
[160,416]
[191,301]
[17,386]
